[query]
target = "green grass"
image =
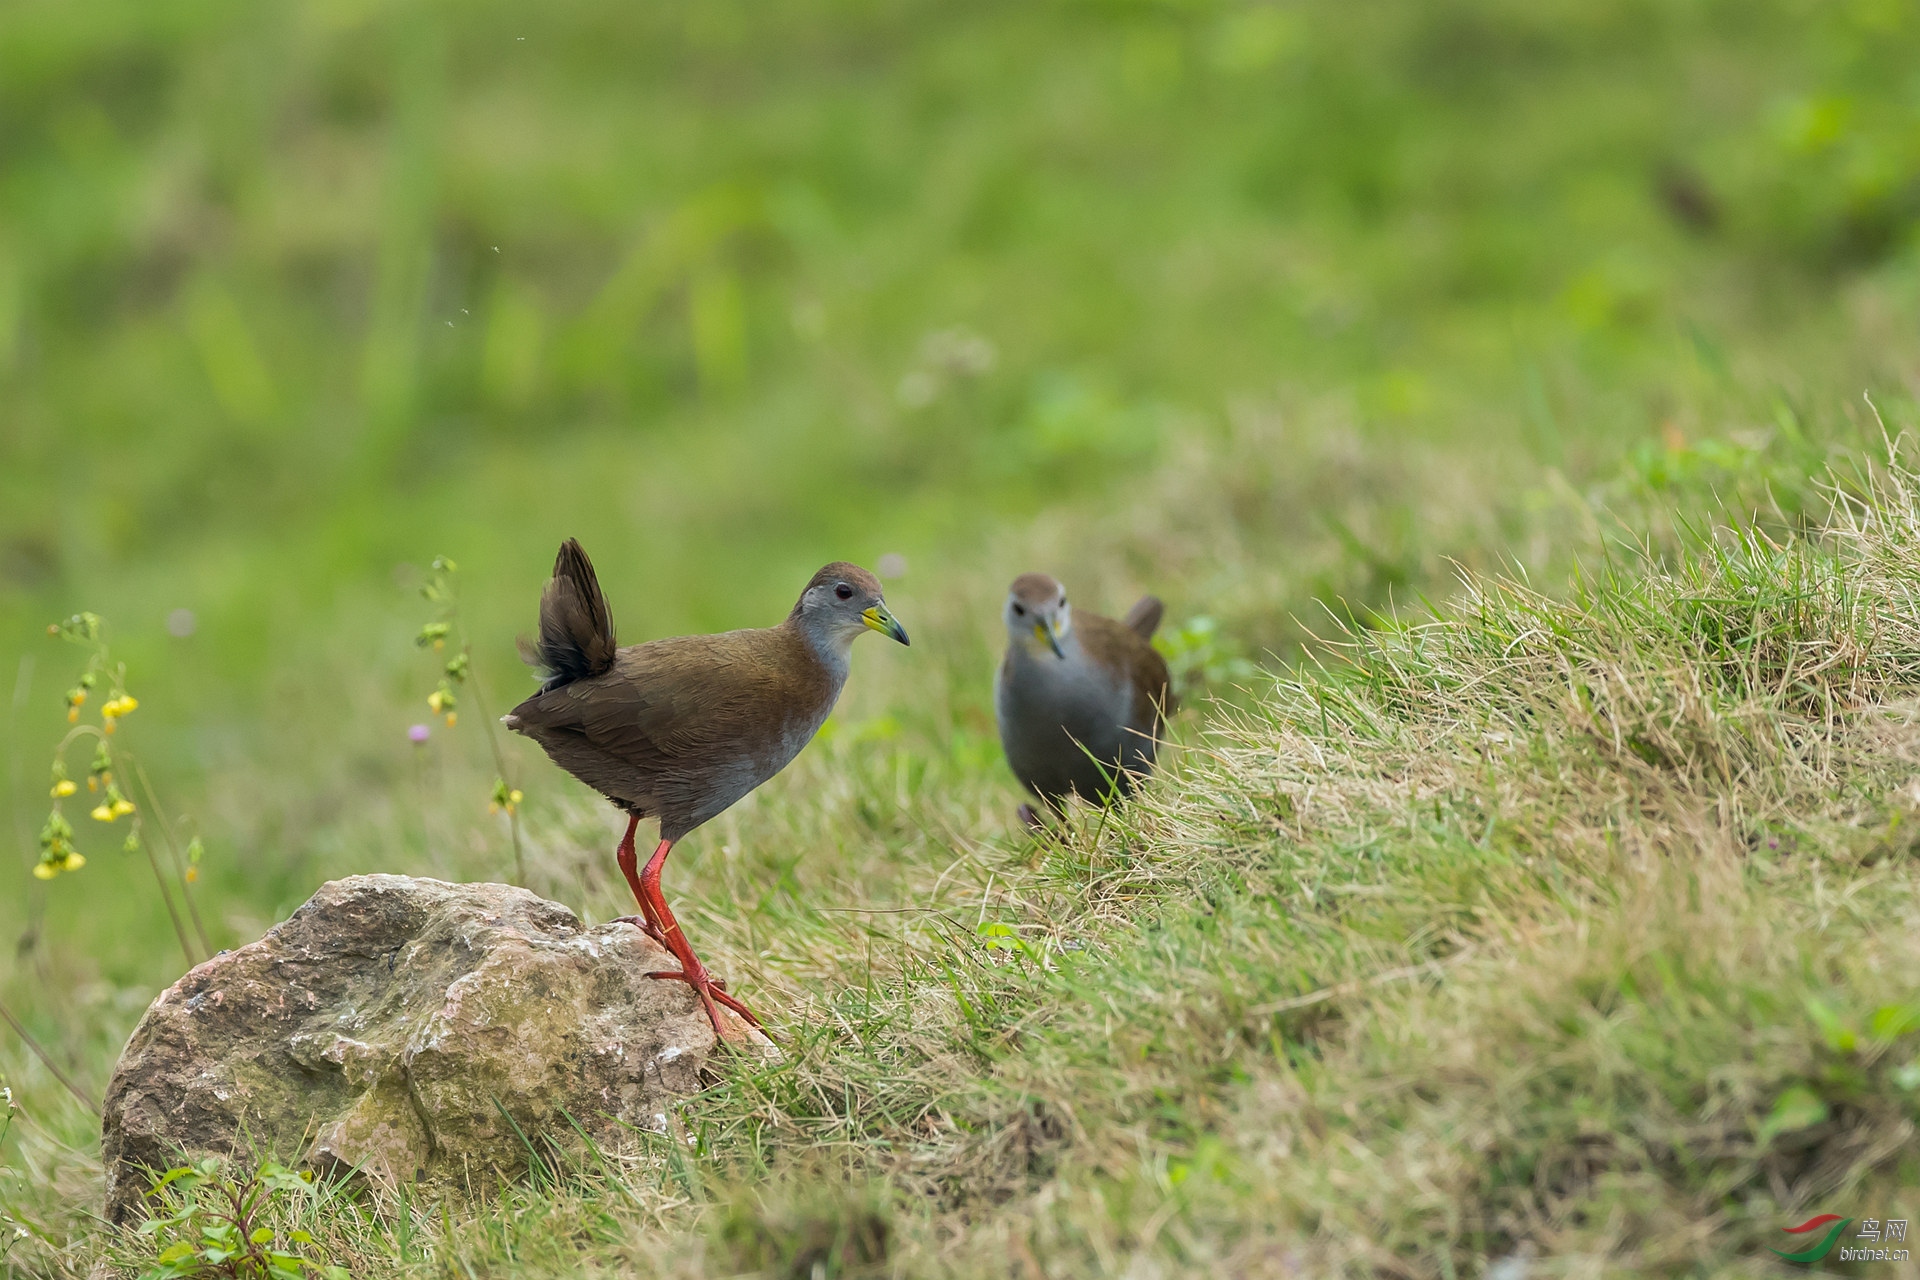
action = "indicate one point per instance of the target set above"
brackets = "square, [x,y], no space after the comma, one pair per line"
[1580,925]
[1569,917]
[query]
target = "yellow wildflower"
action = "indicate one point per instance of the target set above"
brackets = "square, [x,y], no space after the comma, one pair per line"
[436,700]
[93,783]
[52,866]
[193,875]
[64,788]
[73,715]
[122,806]
[103,812]
[451,717]
[106,726]
[515,796]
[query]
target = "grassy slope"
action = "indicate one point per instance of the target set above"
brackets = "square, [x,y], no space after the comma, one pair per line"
[1508,930]
[1411,967]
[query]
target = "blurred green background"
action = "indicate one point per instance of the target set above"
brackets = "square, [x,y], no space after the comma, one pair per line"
[295,296]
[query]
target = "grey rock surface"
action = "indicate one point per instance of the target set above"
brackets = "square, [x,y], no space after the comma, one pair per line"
[387,1025]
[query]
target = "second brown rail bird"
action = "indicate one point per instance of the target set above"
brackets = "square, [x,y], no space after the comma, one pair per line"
[679,729]
[1080,698]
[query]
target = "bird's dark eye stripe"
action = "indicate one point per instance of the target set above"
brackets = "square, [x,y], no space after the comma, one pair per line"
[1019,612]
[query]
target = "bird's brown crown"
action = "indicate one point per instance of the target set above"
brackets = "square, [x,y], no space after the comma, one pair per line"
[1035,589]
[851,574]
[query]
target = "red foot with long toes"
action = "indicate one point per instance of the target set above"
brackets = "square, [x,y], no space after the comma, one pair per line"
[647,927]
[657,922]
[716,990]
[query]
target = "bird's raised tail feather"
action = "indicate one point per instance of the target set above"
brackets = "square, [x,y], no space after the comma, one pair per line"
[1144,617]
[576,627]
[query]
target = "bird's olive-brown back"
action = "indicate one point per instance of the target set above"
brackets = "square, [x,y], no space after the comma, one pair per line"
[1119,648]
[680,729]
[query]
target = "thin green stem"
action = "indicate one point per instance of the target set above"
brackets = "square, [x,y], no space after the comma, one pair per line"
[159,877]
[173,848]
[98,662]
[173,913]
[78,731]
[420,786]
[46,1059]
[499,762]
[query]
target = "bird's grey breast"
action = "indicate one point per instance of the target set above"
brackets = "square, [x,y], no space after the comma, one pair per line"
[800,728]
[791,723]
[1038,697]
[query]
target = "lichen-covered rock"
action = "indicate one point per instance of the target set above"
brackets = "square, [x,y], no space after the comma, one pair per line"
[391,1024]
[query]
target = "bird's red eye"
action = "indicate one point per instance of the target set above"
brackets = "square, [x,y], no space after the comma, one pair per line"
[844,591]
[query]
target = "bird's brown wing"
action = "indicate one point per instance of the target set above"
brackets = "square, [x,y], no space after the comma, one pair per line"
[1119,647]
[676,706]
[1144,618]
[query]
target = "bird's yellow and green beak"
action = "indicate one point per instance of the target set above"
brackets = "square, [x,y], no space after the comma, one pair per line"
[1048,636]
[878,619]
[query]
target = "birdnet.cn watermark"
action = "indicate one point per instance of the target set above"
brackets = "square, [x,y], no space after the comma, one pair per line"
[1874,1240]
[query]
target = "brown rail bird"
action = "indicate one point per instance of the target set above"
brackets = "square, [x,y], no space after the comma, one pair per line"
[680,729]
[1080,698]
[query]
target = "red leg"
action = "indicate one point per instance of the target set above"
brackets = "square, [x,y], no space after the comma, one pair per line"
[646,922]
[719,986]
[692,972]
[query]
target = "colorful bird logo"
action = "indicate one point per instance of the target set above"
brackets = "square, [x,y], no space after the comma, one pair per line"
[1825,1246]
